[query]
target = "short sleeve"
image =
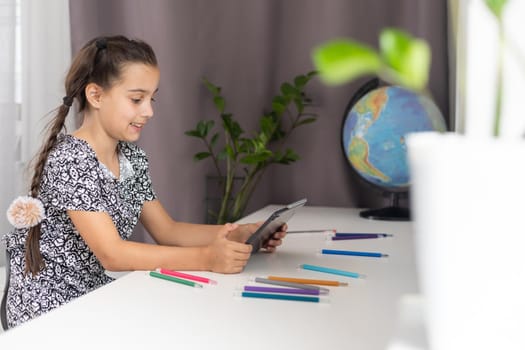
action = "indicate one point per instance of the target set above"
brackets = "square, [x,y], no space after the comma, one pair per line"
[72,181]
[147,186]
[142,184]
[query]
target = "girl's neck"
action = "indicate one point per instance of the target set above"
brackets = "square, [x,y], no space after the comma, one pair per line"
[104,146]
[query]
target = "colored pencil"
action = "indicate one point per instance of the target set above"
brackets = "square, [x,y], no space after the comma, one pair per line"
[281,290]
[280,297]
[308,281]
[353,253]
[291,284]
[313,231]
[330,270]
[174,279]
[186,276]
[350,236]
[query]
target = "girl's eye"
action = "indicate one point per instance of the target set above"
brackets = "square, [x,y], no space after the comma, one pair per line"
[153,100]
[136,100]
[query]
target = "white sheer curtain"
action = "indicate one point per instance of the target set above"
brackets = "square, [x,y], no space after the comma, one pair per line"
[8,109]
[45,54]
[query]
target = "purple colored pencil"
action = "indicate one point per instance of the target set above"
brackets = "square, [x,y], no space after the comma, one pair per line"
[347,236]
[281,290]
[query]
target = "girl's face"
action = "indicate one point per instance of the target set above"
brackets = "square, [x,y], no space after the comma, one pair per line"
[127,106]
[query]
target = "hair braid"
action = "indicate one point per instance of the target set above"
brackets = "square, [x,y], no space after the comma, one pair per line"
[33,256]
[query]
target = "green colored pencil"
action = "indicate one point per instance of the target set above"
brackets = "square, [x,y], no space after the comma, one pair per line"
[175,279]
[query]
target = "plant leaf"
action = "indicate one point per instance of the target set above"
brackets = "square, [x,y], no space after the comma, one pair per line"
[299,104]
[340,60]
[312,74]
[219,103]
[408,58]
[202,128]
[279,105]
[214,139]
[209,126]
[496,7]
[290,156]
[215,90]
[232,126]
[256,158]
[201,156]
[306,121]
[193,133]
[300,81]
[288,89]
[267,125]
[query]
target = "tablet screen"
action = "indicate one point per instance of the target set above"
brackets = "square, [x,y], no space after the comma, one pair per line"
[272,224]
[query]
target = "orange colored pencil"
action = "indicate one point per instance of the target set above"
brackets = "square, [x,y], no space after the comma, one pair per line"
[308,281]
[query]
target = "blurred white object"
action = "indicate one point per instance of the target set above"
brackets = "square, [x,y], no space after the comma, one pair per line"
[467,205]
[410,332]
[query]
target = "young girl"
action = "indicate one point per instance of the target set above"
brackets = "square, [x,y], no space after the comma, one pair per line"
[91,187]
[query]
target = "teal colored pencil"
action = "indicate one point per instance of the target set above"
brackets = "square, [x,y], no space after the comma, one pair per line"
[330,270]
[280,297]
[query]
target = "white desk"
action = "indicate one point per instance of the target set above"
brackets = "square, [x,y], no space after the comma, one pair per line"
[140,312]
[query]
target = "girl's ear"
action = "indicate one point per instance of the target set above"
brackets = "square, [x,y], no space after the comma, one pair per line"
[93,94]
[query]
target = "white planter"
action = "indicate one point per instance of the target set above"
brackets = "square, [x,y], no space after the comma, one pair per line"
[468,208]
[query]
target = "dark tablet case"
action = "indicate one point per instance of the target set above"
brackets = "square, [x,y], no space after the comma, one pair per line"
[277,219]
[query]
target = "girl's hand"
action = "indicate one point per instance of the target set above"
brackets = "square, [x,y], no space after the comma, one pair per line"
[276,239]
[243,232]
[227,256]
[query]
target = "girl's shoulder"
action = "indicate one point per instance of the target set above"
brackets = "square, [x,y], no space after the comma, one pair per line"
[70,149]
[134,153]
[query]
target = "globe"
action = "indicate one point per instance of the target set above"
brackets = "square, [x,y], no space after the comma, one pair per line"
[374,131]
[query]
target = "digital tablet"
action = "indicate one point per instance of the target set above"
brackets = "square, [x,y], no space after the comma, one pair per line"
[277,219]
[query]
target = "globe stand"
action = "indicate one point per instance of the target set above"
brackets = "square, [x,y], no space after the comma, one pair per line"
[391,213]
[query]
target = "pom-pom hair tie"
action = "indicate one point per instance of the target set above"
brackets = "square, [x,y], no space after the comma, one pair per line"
[25,212]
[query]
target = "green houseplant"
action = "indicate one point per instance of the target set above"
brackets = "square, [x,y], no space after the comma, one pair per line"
[246,156]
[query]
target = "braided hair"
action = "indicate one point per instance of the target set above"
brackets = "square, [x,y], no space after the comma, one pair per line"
[100,61]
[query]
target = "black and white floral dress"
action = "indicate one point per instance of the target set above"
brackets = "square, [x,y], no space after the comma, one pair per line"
[74,179]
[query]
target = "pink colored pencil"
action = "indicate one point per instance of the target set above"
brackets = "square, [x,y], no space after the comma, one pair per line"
[186,276]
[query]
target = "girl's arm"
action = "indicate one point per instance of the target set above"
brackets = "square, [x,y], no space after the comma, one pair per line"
[167,231]
[115,254]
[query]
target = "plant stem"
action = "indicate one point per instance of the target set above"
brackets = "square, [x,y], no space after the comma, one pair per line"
[214,157]
[241,199]
[230,170]
[499,81]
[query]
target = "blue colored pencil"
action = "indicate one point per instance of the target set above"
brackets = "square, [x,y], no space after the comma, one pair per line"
[280,297]
[330,270]
[353,253]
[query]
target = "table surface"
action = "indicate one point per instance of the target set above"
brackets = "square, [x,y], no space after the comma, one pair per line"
[138,311]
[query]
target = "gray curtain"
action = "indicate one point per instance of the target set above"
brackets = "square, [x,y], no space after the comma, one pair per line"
[249,47]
